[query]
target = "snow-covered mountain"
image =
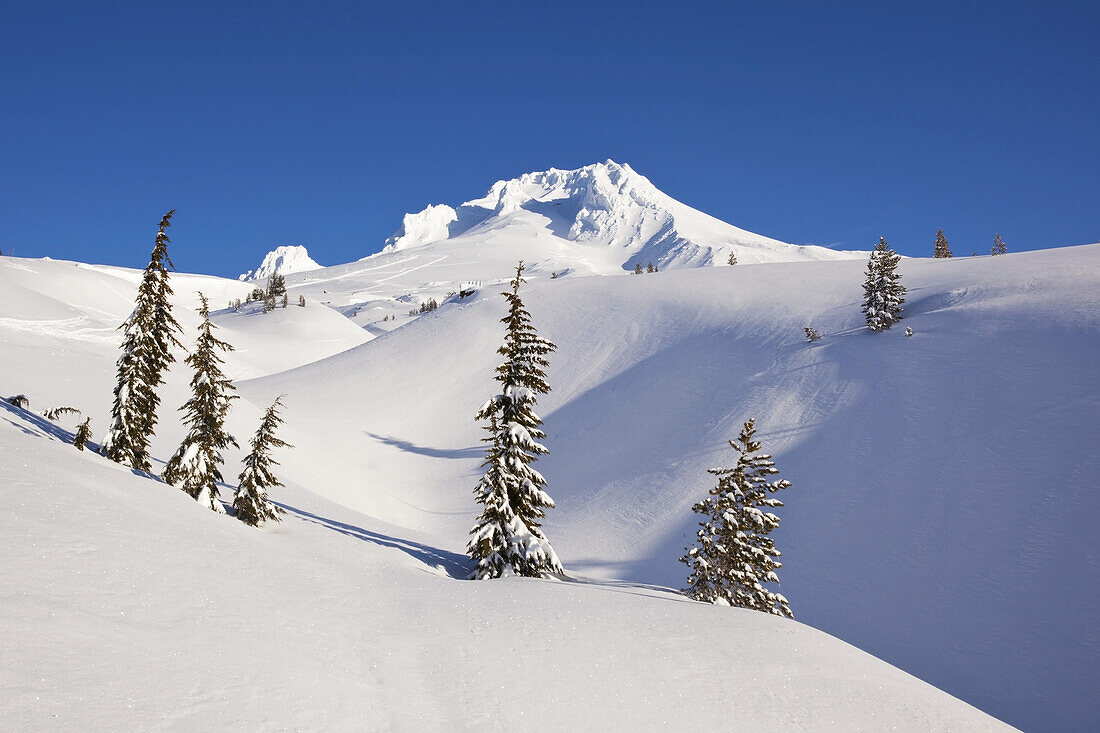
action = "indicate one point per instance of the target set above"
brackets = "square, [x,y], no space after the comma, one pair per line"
[284,260]
[941,516]
[602,205]
[602,219]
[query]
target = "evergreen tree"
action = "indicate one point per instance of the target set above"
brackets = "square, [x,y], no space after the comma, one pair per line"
[638,269]
[508,533]
[83,434]
[883,294]
[250,501]
[276,286]
[734,556]
[195,466]
[148,337]
[939,247]
[732,259]
[999,246]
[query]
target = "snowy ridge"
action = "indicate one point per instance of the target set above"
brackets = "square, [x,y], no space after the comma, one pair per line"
[283,260]
[604,204]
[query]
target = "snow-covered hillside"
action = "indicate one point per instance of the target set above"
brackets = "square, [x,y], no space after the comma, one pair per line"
[284,260]
[941,514]
[127,606]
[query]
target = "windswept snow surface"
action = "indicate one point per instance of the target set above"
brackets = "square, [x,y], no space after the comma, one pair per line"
[941,515]
[283,260]
[945,495]
[127,606]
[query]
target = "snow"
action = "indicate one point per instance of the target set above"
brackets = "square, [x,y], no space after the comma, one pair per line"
[921,525]
[127,605]
[283,260]
[430,225]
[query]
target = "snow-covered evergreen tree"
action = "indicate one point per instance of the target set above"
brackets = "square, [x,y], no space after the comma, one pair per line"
[940,249]
[883,295]
[83,434]
[195,465]
[148,337]
[250,500]
[999,246]
[508,533]
[734,556]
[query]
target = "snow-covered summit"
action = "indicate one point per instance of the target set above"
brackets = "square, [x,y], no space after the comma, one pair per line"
[283,260]
[603,204]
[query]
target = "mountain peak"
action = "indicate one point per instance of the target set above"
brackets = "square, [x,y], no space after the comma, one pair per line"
[283,260]
[608,204]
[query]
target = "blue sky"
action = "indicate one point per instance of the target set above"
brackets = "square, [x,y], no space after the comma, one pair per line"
[323,123]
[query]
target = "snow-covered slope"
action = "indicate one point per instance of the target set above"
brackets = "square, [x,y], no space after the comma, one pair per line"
[942,483]
[941,514]
[284,260]
[127,606]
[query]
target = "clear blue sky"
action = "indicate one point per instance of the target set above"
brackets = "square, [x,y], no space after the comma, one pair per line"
[323,123]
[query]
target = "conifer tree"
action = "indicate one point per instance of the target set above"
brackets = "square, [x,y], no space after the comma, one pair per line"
[999,246]
[83,434]
[734,556]
[195,465]
[940,250]
[250,500]
[883,295]
[276,285]
[508,533]
[148,337]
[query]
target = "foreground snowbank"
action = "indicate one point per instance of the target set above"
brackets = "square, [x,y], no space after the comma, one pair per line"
[128,606]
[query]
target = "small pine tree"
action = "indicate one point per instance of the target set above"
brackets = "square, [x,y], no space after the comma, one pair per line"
[999,246]
[83,434]
[638,269]
[734,556]
[811,334]
[508,532]
[195,465]
[148,337]
[732,259]
[250,500]
[883,294]
[650,268]
[301,301]
[940,250]
[276,285]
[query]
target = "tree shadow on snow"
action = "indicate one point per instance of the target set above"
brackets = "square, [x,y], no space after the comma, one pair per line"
[455,565]
[405,445]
